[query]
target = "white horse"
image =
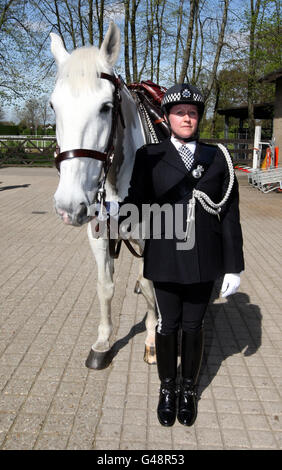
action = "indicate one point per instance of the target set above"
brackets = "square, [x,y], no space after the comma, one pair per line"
[84,100]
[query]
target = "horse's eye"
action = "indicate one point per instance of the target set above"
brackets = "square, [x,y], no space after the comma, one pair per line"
[51,105]
[106,108]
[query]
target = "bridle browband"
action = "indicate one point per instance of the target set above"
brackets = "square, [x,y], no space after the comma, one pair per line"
[107,155]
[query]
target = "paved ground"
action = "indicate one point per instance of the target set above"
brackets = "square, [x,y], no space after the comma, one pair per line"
[49,316]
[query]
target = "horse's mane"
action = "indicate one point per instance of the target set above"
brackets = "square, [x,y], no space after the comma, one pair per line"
[83,67]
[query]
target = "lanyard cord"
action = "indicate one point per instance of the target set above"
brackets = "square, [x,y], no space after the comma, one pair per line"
[204,199]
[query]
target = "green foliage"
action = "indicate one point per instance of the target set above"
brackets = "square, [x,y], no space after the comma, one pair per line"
[9,129]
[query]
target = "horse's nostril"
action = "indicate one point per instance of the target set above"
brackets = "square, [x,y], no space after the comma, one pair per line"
[81,213]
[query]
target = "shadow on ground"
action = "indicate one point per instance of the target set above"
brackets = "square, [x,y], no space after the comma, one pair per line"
[5,188]
[231,328]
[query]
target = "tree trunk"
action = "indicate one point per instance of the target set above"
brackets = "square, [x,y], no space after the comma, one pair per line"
[198,68]
[80,19]
[133,40]
[90,23]
[151,25]
[146,52]
[159,20]
[255,7]
[100,7]
[198,51]
[217,94]
[126,41]
[178,37]
[58,16]
[69,25]
[218,50]
[187,51]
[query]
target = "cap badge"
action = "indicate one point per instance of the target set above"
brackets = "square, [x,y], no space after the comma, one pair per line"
[186,93]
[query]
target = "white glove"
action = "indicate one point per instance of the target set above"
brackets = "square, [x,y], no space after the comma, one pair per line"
[230,285]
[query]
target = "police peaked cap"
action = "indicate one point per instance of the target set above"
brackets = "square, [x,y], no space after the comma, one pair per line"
[184,93]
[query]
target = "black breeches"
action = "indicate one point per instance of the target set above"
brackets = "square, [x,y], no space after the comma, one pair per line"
[181,306]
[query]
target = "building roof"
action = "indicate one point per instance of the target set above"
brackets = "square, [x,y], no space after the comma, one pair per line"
[271,77]
[261,111]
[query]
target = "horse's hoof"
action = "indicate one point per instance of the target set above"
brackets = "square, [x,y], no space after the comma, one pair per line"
[150,355]
[137,288]
[98,360]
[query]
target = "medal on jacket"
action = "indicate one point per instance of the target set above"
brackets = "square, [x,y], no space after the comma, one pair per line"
[189,239]
[197,172]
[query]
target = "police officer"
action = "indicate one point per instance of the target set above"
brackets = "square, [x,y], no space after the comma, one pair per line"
[198,177]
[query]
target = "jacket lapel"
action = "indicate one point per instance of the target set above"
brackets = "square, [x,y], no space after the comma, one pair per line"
[203,157]
[172,157]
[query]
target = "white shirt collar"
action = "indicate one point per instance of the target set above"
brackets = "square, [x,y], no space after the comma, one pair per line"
[191,145]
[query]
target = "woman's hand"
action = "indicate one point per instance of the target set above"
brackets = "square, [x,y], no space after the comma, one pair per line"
[230,285]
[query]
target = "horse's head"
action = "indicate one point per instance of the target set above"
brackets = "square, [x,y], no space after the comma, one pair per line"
[83,104]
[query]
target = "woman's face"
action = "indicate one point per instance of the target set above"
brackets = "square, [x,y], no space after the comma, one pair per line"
[184,119]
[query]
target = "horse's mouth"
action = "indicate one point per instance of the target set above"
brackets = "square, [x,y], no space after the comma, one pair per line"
[74,219]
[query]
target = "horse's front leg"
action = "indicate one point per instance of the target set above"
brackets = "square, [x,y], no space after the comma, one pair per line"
[99,356]
[146,288]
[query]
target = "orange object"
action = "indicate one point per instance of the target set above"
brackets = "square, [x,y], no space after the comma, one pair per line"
[267,160]
[276,152]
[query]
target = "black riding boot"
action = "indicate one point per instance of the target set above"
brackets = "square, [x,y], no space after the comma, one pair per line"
[166,351]
[191,359]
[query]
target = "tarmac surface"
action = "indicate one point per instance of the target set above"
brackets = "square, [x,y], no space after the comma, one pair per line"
[49,315]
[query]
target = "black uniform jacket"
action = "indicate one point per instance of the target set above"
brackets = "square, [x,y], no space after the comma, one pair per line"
[218,250]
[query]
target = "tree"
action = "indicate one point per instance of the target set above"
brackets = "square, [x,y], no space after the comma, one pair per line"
[194,5]
[35,112]
[7,24]
[220,42]
[126,42]
[260,50]
[30,115]
[45,114]
[269,38]
[253,21]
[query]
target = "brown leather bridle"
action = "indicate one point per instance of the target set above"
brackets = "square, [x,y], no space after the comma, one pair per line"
[107,155]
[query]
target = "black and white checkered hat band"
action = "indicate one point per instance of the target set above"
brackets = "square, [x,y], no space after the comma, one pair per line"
[183,96]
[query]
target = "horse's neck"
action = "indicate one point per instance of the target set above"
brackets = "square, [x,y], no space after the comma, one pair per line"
[129,139]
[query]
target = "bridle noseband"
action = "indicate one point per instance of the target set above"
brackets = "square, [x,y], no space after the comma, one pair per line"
[107,155]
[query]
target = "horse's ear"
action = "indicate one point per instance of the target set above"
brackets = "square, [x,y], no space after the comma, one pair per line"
[58,49]
[111,44]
